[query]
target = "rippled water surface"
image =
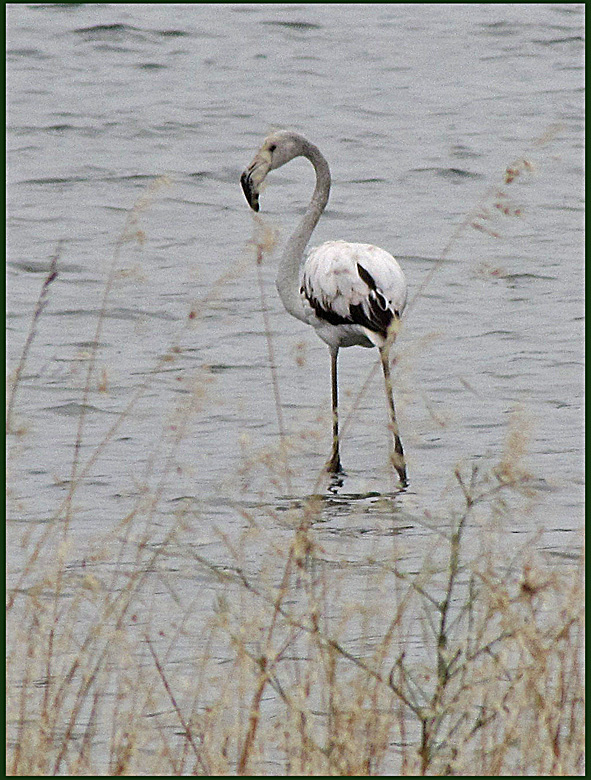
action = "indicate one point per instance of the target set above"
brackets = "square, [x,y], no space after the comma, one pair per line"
[419,111]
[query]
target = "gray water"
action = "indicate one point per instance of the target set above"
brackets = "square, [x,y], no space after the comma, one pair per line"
[419,110]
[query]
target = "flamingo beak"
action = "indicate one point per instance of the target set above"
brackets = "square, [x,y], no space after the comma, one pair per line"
[254,176]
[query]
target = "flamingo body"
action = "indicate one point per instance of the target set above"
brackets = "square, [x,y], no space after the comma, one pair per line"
[352,293]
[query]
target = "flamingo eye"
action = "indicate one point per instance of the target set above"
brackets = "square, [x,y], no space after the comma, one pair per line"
[272,147]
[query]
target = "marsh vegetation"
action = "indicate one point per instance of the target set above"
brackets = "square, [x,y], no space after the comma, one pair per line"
[285,650]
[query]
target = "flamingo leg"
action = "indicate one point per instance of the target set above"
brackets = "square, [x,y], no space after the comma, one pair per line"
[334,464]
[397,456]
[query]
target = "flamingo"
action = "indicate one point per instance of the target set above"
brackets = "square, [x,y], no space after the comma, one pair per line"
[351,294]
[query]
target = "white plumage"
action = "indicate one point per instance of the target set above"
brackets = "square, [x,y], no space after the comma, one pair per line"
[351,294]
[333,289]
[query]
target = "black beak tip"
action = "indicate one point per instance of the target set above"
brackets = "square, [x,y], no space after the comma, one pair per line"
[251,196]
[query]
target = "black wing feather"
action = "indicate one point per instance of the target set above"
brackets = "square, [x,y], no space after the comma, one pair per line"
[374,314]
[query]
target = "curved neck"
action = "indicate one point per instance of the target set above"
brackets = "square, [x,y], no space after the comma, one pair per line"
[288,277]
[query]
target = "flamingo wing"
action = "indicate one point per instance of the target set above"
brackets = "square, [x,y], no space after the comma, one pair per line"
[354,284]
